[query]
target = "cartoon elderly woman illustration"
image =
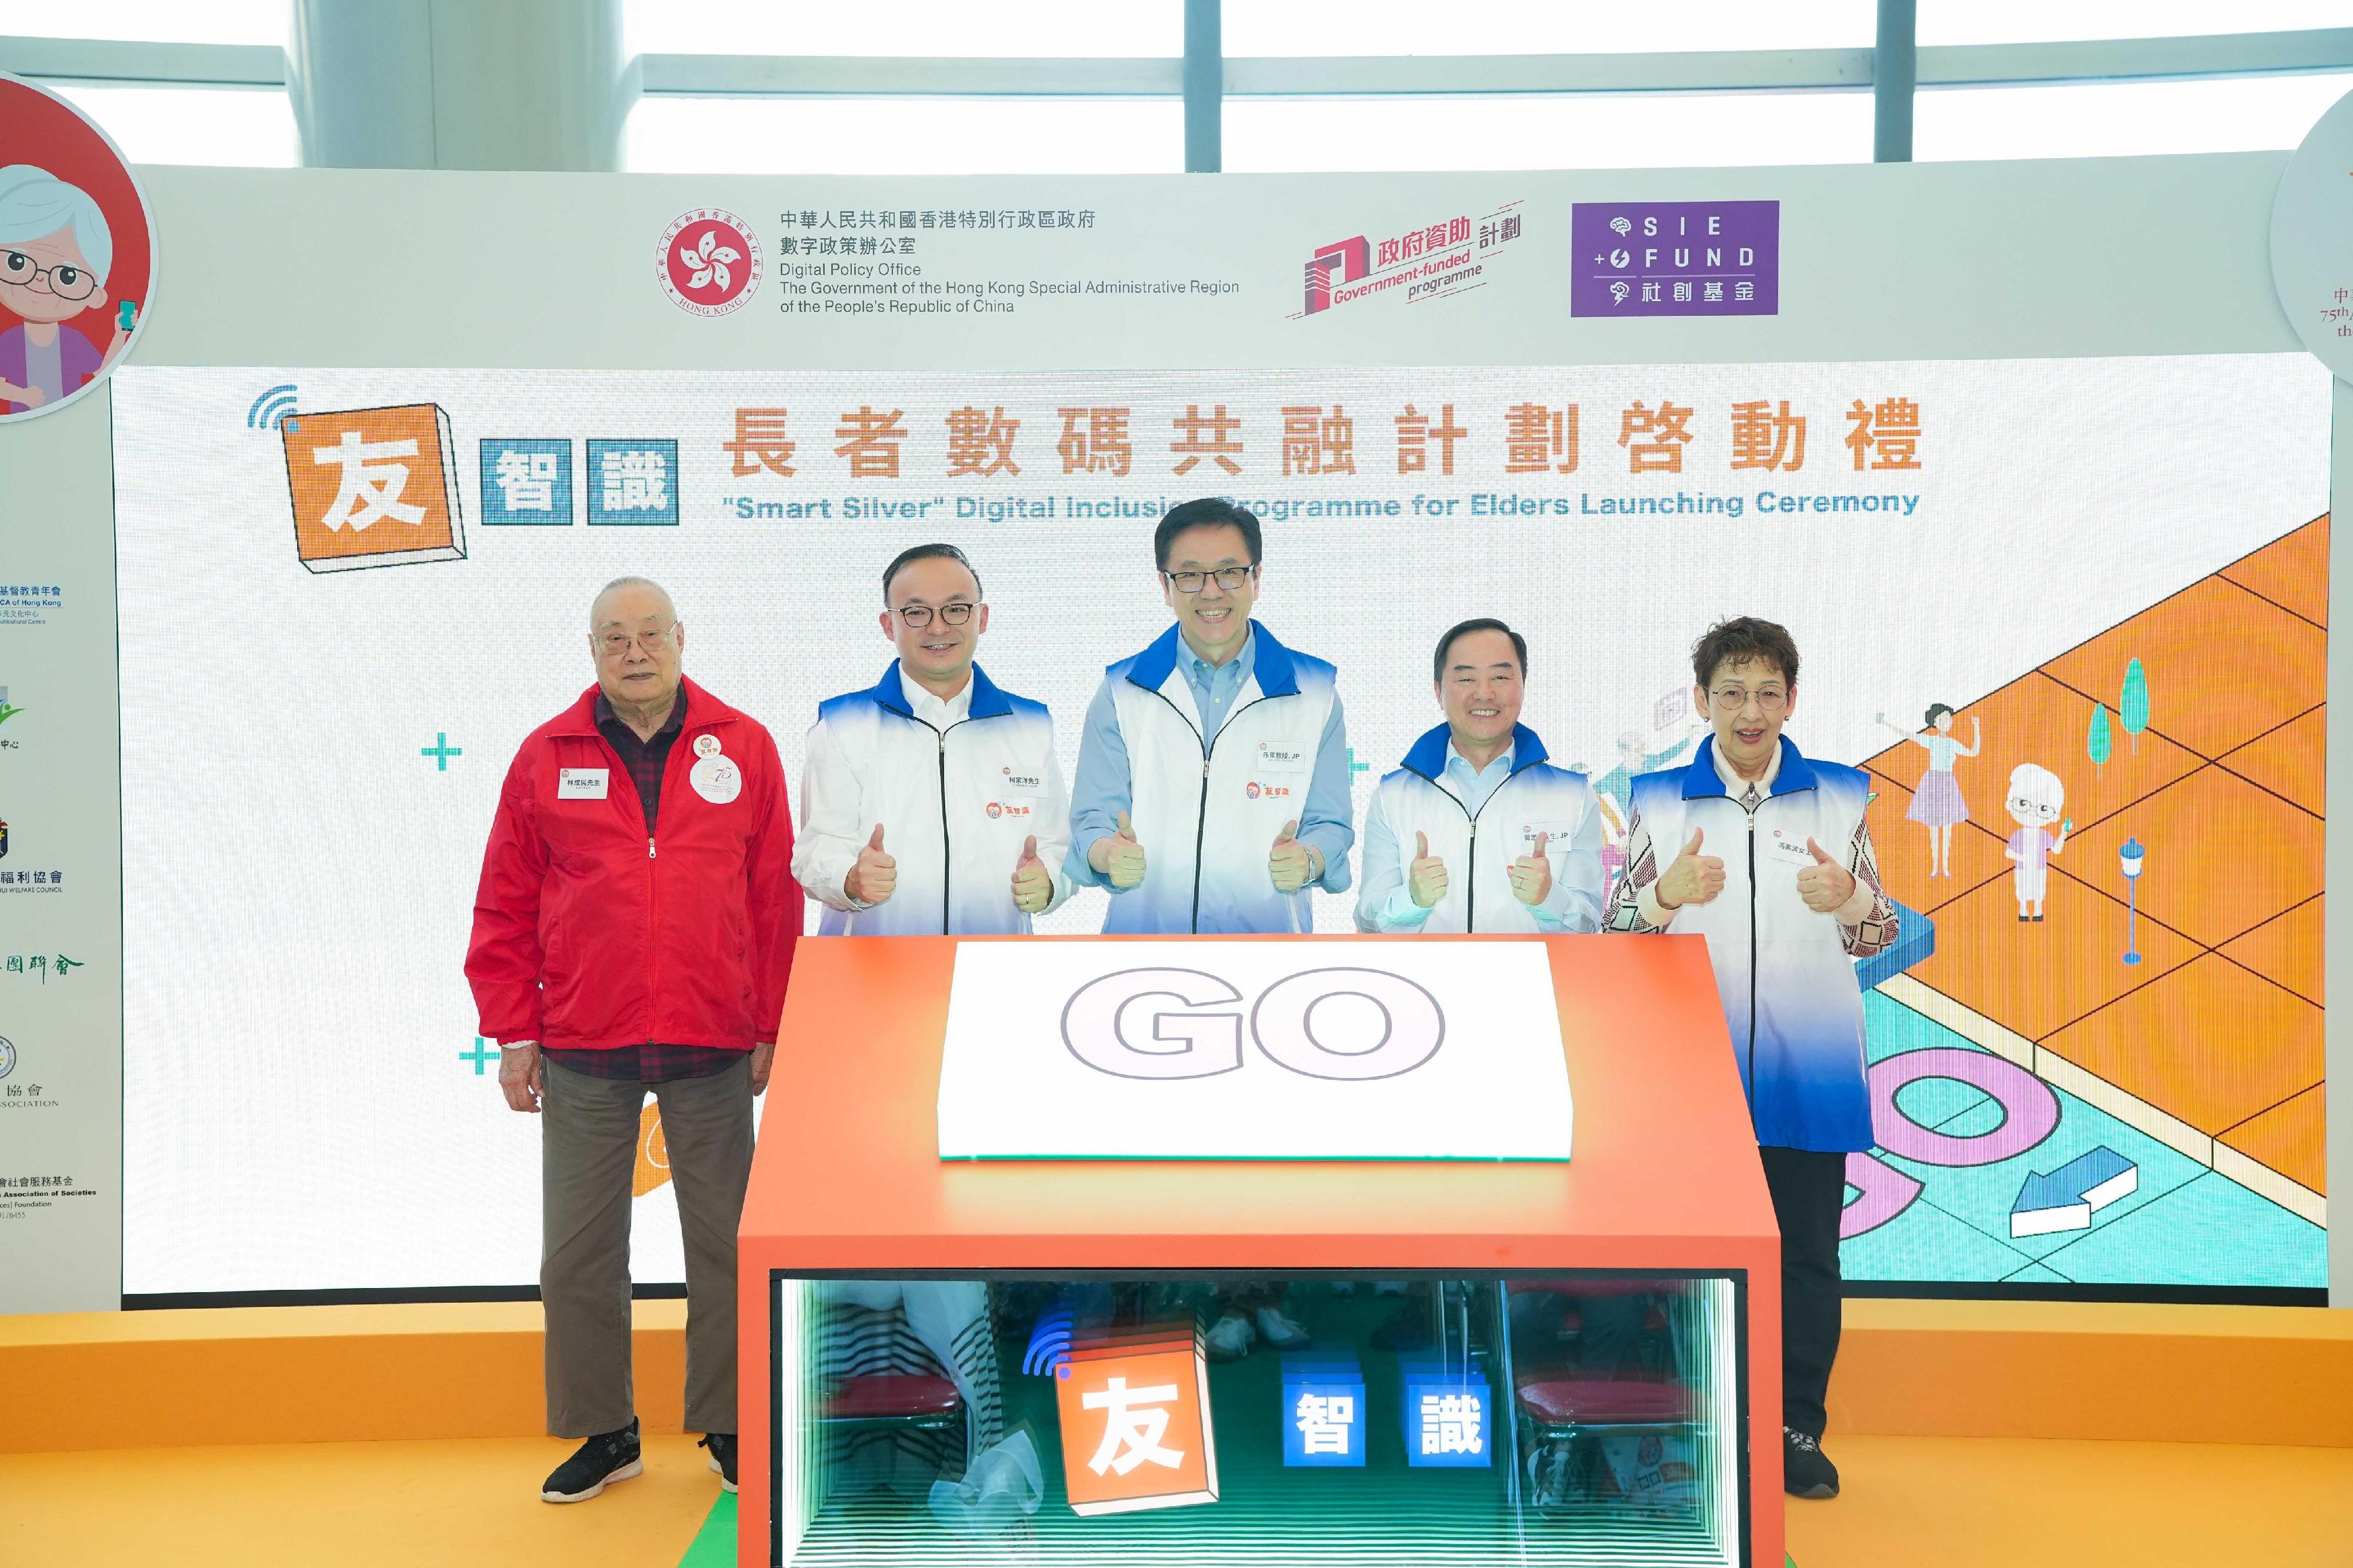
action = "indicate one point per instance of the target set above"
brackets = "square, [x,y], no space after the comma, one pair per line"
[55,250]
[1936,803]
[2035,798]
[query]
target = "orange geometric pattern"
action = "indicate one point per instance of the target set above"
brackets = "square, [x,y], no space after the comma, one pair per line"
[2216,1030]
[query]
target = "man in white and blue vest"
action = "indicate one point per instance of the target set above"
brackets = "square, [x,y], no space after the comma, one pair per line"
[932,802]
[1212,788]
[1476,831]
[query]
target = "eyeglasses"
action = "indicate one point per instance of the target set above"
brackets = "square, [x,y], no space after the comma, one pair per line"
[1229,578]
[65,280]
[613,645]
[918,617]
[1733,698]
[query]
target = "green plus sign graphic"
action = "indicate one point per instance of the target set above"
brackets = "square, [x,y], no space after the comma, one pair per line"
[1355,767]
[483,1052]
[441,751]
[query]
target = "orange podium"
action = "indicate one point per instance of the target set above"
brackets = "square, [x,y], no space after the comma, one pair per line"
[1574,1360]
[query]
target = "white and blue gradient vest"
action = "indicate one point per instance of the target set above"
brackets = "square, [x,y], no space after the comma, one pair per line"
[1479,851]
[1782,971]
[1206,813]
[943,795]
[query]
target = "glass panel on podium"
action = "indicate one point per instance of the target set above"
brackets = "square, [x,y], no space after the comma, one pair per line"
[1561,1418]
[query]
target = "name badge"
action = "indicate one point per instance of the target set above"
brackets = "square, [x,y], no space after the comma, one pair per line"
[581,784]
[1783,848]
[1277,759]
[1560,834]
[1022,784]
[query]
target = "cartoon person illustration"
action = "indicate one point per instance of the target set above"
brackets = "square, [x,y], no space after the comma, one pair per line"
[55,250]
[2035,796]
[1936,803]
[1615,789]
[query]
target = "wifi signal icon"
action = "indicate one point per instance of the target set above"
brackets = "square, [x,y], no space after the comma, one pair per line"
[269,410]
[1049,1345]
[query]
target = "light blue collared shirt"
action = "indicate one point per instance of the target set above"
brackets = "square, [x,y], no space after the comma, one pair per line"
[1101,789]
[1215,685]
[1473,787]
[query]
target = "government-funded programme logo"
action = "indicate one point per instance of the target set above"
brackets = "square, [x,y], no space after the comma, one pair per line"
[709,261]
[1201,1035]
[1676,258]
[1433,258]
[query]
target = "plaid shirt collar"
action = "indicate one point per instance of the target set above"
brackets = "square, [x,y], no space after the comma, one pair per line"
[605,718]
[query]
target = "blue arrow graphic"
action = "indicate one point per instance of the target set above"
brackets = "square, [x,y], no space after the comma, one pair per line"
[2066,1198]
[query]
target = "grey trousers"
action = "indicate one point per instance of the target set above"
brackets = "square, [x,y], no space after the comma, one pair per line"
[589,1146]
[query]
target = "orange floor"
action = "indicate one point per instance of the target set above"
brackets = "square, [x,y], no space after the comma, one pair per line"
[420,1504]
[1978,1502]
[1917,1502]
[2223,788]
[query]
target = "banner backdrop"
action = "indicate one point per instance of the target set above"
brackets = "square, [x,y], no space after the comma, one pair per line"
[392,568]
[1608,405]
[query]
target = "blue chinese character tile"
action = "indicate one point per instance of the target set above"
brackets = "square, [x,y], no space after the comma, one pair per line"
[1449,1421]
[633,484]
[527,482]
[1324,1420]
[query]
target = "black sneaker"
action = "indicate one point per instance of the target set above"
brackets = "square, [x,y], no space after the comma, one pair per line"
[722,1457]
[1806,1470]
[606,1457]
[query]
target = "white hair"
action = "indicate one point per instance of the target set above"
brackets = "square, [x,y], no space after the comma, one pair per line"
[630,583]
[2038,786]
[35,204]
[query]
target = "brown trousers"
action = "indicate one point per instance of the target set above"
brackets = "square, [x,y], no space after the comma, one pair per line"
[588,1150]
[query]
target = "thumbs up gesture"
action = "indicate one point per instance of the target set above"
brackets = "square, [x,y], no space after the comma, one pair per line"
[1426,877]
[1033,889]
[1825,884]
[875,876]
[1532,873]
[1119,857]
[1288,862]
[1693,878]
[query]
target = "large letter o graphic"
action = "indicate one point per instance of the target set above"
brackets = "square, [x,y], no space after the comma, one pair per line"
[2029,1107]
[1416,1025]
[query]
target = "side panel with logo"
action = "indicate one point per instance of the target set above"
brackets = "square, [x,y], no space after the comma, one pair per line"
[60,886]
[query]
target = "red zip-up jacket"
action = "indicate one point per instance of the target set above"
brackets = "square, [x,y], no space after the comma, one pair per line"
[589,935]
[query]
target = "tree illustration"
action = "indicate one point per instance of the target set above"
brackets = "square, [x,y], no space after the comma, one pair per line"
[2101,743]
[2132,705]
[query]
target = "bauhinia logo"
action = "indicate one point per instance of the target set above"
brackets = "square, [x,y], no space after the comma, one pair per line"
[709,261]
[1201,1035]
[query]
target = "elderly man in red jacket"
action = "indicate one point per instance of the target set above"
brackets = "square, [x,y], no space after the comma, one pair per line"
[633,930]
